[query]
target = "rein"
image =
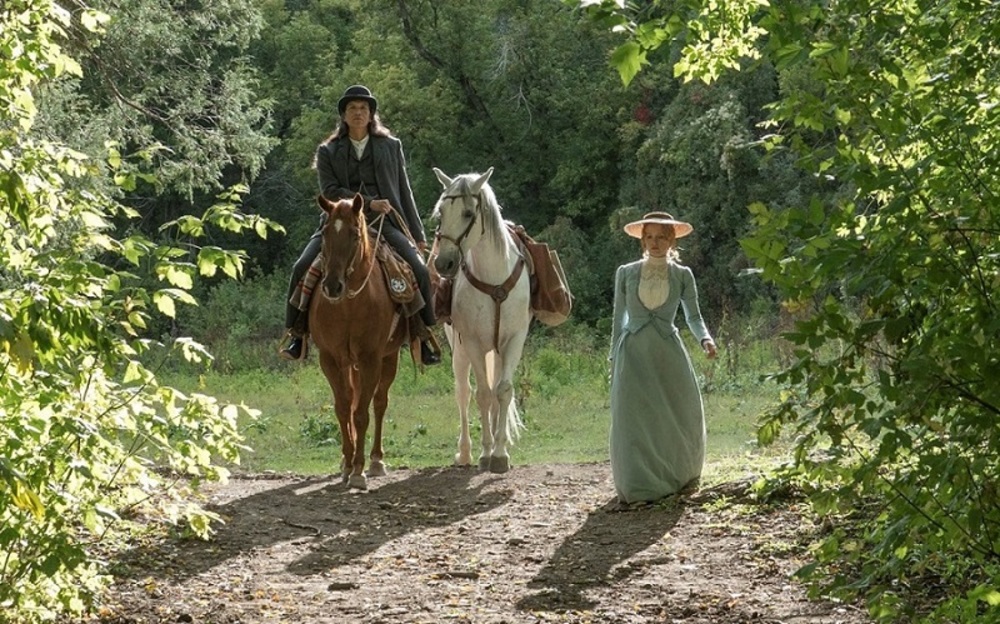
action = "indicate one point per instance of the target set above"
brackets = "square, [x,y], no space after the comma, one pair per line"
[351,294]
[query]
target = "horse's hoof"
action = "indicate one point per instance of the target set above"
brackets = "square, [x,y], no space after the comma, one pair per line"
[345,476]
[484,463]
[461,460]
[499,465]
[357,482]
[377,469]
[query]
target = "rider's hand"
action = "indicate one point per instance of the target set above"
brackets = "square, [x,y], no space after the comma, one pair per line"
[381,206]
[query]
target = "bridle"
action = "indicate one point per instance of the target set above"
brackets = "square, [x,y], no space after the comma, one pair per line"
[358,254]
[465,233]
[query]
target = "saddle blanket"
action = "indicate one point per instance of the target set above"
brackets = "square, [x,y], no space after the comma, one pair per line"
[398,274]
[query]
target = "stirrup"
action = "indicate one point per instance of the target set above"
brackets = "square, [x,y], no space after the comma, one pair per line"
[428,354]
[285,352]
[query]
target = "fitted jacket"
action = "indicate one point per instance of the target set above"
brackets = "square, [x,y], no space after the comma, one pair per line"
[390,175]
[630,315]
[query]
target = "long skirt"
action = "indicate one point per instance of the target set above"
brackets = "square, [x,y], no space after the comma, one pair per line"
[657,440]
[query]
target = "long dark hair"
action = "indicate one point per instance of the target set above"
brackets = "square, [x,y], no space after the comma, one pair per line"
[375,127]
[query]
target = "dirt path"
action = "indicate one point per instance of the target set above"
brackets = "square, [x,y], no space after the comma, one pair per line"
[538,544]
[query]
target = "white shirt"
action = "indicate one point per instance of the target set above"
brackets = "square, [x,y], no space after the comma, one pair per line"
[359,146]
[654,287]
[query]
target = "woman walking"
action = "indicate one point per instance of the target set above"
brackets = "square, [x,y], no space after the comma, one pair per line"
[657,440]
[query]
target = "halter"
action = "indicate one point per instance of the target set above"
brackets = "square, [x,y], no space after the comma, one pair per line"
[465,233]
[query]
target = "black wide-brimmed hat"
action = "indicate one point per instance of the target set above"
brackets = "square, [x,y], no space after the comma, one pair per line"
[357,92]
[681,228]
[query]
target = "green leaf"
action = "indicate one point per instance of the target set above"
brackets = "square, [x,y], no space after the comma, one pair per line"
[114,158]
[125,180]
[822,48]
[839,61]
[93,20]
[232,266]
[179,276]
[987,594]
[23,353]
[137,319]
[51,564]
[209,260]
[674,25]
[628,58]
[165,304]
[787,55]
[133,372]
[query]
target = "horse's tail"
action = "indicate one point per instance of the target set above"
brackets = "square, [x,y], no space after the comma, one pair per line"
[514,423]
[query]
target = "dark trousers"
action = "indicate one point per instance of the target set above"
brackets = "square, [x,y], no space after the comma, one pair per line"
[299,269]
[394,237]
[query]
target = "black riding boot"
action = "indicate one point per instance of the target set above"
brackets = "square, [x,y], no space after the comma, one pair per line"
[296,349]
[428,355]
[298,327]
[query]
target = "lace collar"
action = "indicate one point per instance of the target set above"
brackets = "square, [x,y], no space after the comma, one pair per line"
[655,267]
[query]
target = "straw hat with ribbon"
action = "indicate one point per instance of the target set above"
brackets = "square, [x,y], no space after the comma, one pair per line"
[681,228]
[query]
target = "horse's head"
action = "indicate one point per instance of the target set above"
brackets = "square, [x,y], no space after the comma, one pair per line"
[345,243]
[462,216]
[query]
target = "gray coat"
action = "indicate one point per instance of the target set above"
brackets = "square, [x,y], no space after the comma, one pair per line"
[390,174]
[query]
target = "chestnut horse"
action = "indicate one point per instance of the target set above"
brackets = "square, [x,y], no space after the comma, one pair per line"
[358,332]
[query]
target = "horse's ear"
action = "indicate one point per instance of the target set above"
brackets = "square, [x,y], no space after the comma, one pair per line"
[442,178]
[358,203]
[481,181]
[324,204]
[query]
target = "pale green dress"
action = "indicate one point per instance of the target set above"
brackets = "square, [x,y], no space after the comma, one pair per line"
[657,440]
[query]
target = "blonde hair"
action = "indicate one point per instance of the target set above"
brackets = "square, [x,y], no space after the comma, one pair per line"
[673,255]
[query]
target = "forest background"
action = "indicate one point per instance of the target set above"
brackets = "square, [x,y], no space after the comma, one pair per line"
[838,162]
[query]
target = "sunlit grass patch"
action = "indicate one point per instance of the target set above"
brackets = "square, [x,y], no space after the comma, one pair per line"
[562,394]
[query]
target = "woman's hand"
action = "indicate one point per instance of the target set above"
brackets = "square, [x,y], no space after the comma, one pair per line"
[709,348]
[381,206]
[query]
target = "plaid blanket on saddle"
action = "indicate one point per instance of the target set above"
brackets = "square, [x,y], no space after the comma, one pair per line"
[402,284]
[304,289]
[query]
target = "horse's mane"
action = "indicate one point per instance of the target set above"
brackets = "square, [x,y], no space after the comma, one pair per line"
[490,209]
[366,243]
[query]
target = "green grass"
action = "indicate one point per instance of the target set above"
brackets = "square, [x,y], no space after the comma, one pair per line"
[731,419]
[562,389]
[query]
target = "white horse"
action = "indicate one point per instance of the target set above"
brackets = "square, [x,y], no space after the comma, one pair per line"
[489,312]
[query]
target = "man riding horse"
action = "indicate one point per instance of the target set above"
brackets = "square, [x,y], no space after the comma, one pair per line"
[362,156]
